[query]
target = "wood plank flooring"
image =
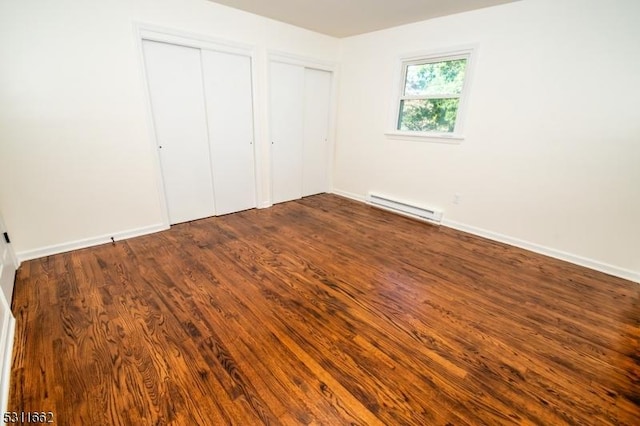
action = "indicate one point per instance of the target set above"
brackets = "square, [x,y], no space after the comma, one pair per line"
[322,311]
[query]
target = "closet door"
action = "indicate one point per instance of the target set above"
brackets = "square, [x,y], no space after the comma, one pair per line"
[315,159]
[286,107]
[174,77]
[227,83]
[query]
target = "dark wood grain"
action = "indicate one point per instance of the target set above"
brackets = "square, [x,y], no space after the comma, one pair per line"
[322,311]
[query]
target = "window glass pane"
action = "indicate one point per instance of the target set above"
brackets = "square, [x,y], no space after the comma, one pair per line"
[428,115]
[446,77]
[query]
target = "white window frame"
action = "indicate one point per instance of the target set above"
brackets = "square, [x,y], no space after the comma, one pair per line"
[461,52]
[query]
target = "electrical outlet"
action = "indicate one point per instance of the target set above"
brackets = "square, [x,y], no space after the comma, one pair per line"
[456,198]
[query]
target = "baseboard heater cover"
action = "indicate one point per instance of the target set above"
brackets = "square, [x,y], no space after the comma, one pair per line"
[405,208]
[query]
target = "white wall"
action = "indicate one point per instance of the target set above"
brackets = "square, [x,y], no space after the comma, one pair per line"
[76,160]
[553,132]
[551,158]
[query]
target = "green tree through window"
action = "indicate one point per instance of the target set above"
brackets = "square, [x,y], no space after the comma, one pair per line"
[431,95]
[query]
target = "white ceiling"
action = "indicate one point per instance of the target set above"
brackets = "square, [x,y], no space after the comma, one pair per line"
[343,18]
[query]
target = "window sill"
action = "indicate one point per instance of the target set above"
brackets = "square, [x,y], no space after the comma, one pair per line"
[426,137]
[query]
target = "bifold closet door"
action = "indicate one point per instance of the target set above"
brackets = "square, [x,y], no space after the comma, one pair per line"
[175,84]
[287,116]
[227,83]
[315,158]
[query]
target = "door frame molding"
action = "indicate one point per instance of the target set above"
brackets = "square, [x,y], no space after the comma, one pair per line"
[7,337]
[307,62]
[145,31]
[304,61]
[7,332]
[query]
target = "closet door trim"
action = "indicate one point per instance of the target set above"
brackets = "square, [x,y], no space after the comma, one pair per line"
[303,61]
[307,62]
[199,41]
[144,31]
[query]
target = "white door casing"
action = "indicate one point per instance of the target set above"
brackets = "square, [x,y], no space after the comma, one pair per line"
[8,266]
[300,105]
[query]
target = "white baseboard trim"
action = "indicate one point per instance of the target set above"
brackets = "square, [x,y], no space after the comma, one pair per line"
[5,369]
[355,197]
[88,242]
[536,248]
[547,251]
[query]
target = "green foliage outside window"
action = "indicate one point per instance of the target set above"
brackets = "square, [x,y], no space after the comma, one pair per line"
[431,96]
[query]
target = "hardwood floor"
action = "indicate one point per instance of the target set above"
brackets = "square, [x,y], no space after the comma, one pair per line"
[322,311]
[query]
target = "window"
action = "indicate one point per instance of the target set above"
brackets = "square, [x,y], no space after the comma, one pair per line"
[432,94]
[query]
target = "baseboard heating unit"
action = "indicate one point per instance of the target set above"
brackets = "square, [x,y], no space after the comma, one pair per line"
[405,208]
